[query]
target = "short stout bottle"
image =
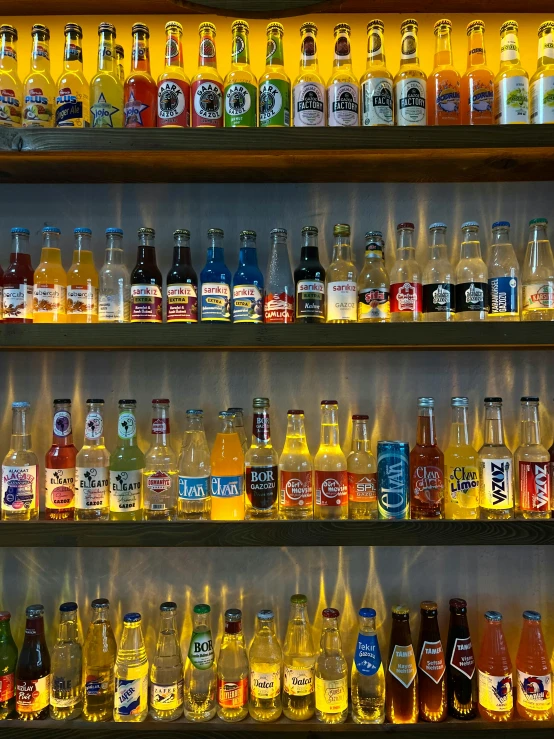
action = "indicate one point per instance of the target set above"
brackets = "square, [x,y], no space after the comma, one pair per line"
[331,673]
[82,281]
[146,281]
[20,487]
[173,83]
[309,280]
[166,670]
[374,282]
[195,500]
[266,665]
[439,283]
[181,282]
[131,673]
[340,279]
[279,285]
[496,497]
[296,472]
[200,668]
[460,664]
[59,464]
[32,676]
[248,283]
[426,466]
[299,657]
[532,465]
[343,91]
[261,471]
[274,83]
[496,691]
[410,83]
[401,682]
[232,670]
[431,667]
[206,90]
[114,289]
[330,465]
[92,477]
[376,82]
[308,90]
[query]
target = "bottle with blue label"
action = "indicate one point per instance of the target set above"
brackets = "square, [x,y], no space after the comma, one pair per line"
[248,283]
[195,501]
[368,676]
[215,281]
[72,89]
[131,673]
[504,285]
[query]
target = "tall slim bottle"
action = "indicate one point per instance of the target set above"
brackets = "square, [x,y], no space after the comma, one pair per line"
[99,654]
[173,83]
[126,466]
[406,293]
[472,287]
[206,91]
[460,664]
[266,665]
[8,665]
[443,84]
[343,92]
[72,89]
[534,672]
[299,657]
[368,676]
[496,694]
[232,670]
[159,477]
[241,86]
[308,91]
[114,282]
[66,686]
[131,673]
[39,89]
[11,89]
[376,82]
[146,281]
[17,281]
[50,281]
[166,670]
[227,480]
[542,82]
[279,286]
[92,477]
[140,93]
[461,465]
[82,281]
[200,668]
[261,471]
[330,465]
[120,59]
[503,269]
[439,283]
[331,673]
[248,283]
[296,498]
[538,275]
[341,279]
[106,88]
[19,500]
[181,292]
[431,666]
[362,473]
[401,683]
[532,465]
[195,500]
[496,497]
[59,466]
[374,282]
[215,281]
[309,280]
[426,466]
[511,84]
[274,83]
[32,676]
[410,83]
[477,84]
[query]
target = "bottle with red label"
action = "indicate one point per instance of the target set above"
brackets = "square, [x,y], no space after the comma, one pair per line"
[426,466]
[431,667]
[182,282]
[279,285]
[173,83]
[232,670]
[296,472]
[331,469]
[362,473]
[146,281]
[406,291]
[460,664]
[496,695]
[17,282]
[59,472]
[532,465]
[32,676]
[160,474]
[401,679]
[8,663]
[261,471]
[534,673]
[207,85]
[140,97]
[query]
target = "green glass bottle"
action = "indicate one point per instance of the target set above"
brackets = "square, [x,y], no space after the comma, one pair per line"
[8,663]
[240,87]
[274,83]
[126,467]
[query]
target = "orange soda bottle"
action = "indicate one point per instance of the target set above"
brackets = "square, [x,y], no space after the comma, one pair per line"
[227,462]
[496,697]
[534,676]
[443,84]
[477,87]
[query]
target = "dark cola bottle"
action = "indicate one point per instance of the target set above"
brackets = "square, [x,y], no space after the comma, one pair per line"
[460,664]
[32,676]
[431,669]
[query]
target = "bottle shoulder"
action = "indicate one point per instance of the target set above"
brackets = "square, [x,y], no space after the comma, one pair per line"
[173,73]
[67,76]
[409,72]
[274,72]
[37,78]
[340,75]
[241,74]
[376,72]
[248,275]
[207,74]
[543,71]
[309,77]
[513,71]
[138,77]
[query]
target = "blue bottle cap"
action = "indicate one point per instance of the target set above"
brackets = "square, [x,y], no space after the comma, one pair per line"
[82,231]
[131,618]
[438,224]
[367,612]
[531,615]
[470,224]
[195,412]
[114,231]
[493,616]
[501,224]
[68,607]
[51,230]
[21,404]
[18,230]
[265,615]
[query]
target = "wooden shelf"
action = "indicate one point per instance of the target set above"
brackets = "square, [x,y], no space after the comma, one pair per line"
[428,154]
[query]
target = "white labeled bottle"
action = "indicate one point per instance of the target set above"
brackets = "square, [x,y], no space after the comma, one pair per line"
[131,673]
[308,90]
[503,268]
[114,286]
[538,275]
[542,82]
[232,670]
[266,663]
[340,279]
[410,83]
[532,464]
[200,668]
[19,492]
[159,477]
[296,472]
[496,498]
[343,92]
[406,292]
[376,83]
[362,472]
[330,476]
[195,500]
[92,474]
[166,670]
[472,287]
[368,675]
[66,689]
[374,282]
[511,84]
[439,282]
[299,657]
[126,467]
[331,673]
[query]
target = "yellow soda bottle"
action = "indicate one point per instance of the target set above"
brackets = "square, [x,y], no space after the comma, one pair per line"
[227,463]
[72,93]
[82,281]
[10,84]
[99,653]
[106,87]
[461,466]
[49,291]
[39,89]
[511,84]
[131,673]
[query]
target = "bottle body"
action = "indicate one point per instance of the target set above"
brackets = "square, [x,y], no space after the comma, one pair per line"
[166,670]
[92,476]
[227,464]
[368,676]
[200,669]
[127,463]
[99,655]
[131,673]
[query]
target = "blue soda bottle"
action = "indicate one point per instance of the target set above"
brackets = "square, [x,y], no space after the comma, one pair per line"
[215,281]
[248,283]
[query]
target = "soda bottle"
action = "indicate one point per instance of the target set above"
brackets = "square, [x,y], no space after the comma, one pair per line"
[114,282]
[401,682]
[477,84]
[503,268]
[39,89]
[261,471]
[227,462]
[92,476]
[146,281]
[443,84]
[206,90]
[241,86]
[362,472]
[496,497]
[182,283]
[215,281]
[405,279]
[373,282]
[266,664]
[279,287]
[10,84]
[308,90]
[431,667]
[106,87]
[8,664]
[460,664]
[120,57]
[238,424]
[542,82]
[66,686]
[340,279]
[331,673]
[200,669]
[32,676]
[331,475]
[82,281]
[538,275]
[532,465]
[99,654]
[195,500]
[50,281]
[60,461]
[19,500]
[496,696]
[368,676]
[511,84]
[534,673]
[159,477]
[461,464]
[439,283]
[410,83]
[309,280]
[140,94]
[173,83]
[166,670]
[127,463]
[274,83]
[131,673]
[299,657]
[232,670]
[343,92]
[393,480]
[17,281]
[426,466]
[248,283]
[296,471]
[376,82]
[472,288]
[72,98]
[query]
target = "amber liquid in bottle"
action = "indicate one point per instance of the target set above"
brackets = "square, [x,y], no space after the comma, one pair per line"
[401,696]
[431,667]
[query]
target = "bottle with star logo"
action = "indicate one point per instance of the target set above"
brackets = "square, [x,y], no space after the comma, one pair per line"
[141,92]
[106,89]
[173,83]
[241,86]
[72,97]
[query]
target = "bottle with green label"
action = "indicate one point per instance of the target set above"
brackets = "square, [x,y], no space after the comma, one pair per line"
[200,669]
[241,87]
[274,83]
[126,466]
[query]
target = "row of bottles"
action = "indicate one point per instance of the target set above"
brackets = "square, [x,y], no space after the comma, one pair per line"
[235,481]
[378,99]
[473,291]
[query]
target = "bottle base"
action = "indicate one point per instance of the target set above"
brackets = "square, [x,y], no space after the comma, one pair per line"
[98,514]
[200,717]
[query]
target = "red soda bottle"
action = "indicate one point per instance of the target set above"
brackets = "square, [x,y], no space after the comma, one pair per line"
[59,473]
[141,92]
[17,282]
[496,697]
[534,676]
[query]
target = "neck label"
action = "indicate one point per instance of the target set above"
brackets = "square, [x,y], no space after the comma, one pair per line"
[94,426]
[509,48]
[126,425]
[62,423]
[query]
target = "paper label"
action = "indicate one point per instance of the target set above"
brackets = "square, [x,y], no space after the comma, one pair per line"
[438,297]
[19,487]
[182,303]
[232,693]
[503,296]
[406,296]
[59,488]
[278,308]
[48,298]
[342,301]
[94,426]
[138,113]
[472,296]
[201,650]
[542,99]
[534,692]
[377,102]
[32,695]
[538,295]
[92,487]
[207,103]
[512,100]
[70,107]
[7,687]
[10,105]
[410,96]
[296,489]
[131,696]
[240,105]
[428,483]
[481,98]
[265,685]
[156,495]
[362,488]
[102,110]
[403,665]
[166,697]
[113,309]
[125,491]
[367,656]
[309,104]
[373,302]
[534,486]
[82,300]
[462,658]
[17,302]
[495,692]
[215,302]
[247,304]
[331,696]
[463,485]
[342,104]
[431,660]
[193,488]
[38,108]
[298,681]
[261,485]
[496,484]
[173,103]
[146,304]
[509,48]
[227,486]
[331,488]
[61,425]
[310,299]
[275,103]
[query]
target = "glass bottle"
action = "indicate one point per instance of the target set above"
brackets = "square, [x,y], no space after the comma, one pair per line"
[206,92]
[331,673]
[114,282]
[66,686]
[496,696]
[340,279]
[542,82]
[330,465]
[299,657]
[343,92]
[261,471]
[159,477]
[173,83]
[460,664]
[538,275]
[376,82]
[534,673]
[472,288]
[8,665]
[406,294]
[373,282]
[140,93]
[146,281]
[496,497]
[106,88]
[296,472]
[59,464]
[82,281]
[241,86]
[503,268]
[401,682]
[308,90]
[99,655]
[511,84]
[443,84]
[431,667]
[426,466]
[274,83]
[39,89]
[50,281]
[532,465]
[181,282]
[120,58]
[266,664]
[461,465]
[72,88]
[368,676]
[200,668]
[32,676]
[166,670]
[17,281]
[10,84]
[309,280]
[362,473]
[410,82]
[232,670]
[439,283]
[19,500]
[477,84]
[92,475]
[238,423]
[227,481]
[248,283]
[127,463]
[279,287]
[195,500]
[215,281]
[131,673]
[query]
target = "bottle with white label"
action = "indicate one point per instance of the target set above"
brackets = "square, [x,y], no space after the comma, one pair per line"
[50,280]
[376,83]
[16,285]
[340,279]
[131,673]
[542,82]
[248,283]
[538,275]
[331,673]
[126,466]
[159,477]
[19,501]
[82,281]
[439,283]
[534,672]
[406,293]
[232,670]
[206,90]
[504,283]
[59,466]
[511,84]
[410,83]
[343,91]
[66,682]
[299,657]
[496,691]
[195,500]
[472,286]
[532,465]
[368,676]
[266,663]
[92,475]
[496,498]
[296,472]
[330,465]
[166,670]
[200,668]
[308,90]
[173,83]
[114,282]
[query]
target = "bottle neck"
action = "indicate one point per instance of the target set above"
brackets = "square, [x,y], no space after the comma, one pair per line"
[106,53]
[131,639]
[375,48]
[114,249]
[342,249]
[329,426]
[240,52]
[429,626]
[476,55]
[194,425]
[160,425]
[509,49]
[438,249]
[173,49]
[94,425]
[308,52]
[265,629]
[68,630]
[168,626]
[215,249]
[274,53]
[494,430]
[530,431]
[409,49]
[405,249]
[261,432]
[50,240]
[20,244]
[471,247]
[34,629]
[537,234]
[82,248]
[295,429]
[140,55]
[546,48]
[21,433]
[146,255]
[5,632]
[8,53]
[309,250]
[207,50]
[501,237]
[73,53]
[443,48]
[227,426]
[233,630]
[330,636]
[100,615]
[40,55]
[299,613]
[367,625]
[181,253]
[459,435]
[248,256]
[426,435]
[343,57]
[360,437]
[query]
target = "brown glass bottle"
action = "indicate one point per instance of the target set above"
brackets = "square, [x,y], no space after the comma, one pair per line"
[401,686]
[32,676]
[182,282]
[426,466]
[431,669]
[461,672]
[146,281]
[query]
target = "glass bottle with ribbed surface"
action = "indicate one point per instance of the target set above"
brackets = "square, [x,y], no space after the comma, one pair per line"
[266,664]
[299,657]
[331,673]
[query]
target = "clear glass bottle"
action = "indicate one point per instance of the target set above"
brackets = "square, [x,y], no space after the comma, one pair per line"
[200,668]
[406,294]
[532,464]
[114,282]
[260,466]
[511,84]
[331,673]
[296,472]
[299,657]
[160,474]
[279,285]
[99,654]
[362,473]
[472,287]
[373,282]
[66,687]
[131,673]
[340,279]
[461,467]
[330,465]
[72,101]
[503,268]
[232,670]
[410,83]
[195,500]
[266,664]
[368,677]
[308,90]
[92,474]
[542,82]
[477,85]
[20,490]
[376,82]
[496,497]
[343,92]
[439,283]
[126,467]
[238,424]
[206,91]
[443,84]
[106,88]
[173,83]
[166,670]
[538,275]
[274,83]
